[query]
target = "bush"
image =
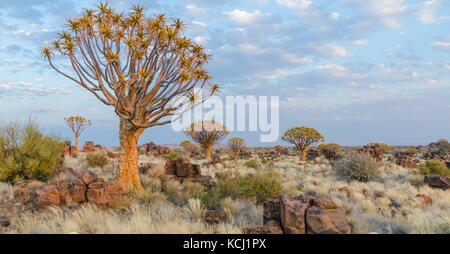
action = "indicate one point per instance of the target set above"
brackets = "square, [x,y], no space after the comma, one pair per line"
[171,156]
[252,164]
[26,153]
[97,160]
[357,166]
[264,161]
[262,186]
[330,151]
[434,167]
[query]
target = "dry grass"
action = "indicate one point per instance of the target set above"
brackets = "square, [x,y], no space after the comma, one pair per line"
[178,209]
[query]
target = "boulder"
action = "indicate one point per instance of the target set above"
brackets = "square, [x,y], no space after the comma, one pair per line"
[271,210]
[292,213]
[68,149]
[181,167]
[89,147]
[324,203]
[78,191]
[47,195]
[326,221]
[215,216]
[271,227]
[426,200]
[438,181]
[104,194]
[4,222]
[25,188]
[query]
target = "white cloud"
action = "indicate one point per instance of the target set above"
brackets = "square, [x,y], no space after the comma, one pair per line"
[359,42]
[299,4]
[245,18]
[427,11]
[330,50]
[445,46]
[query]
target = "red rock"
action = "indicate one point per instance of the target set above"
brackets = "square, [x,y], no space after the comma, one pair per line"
[324,203]
[292,213]
[378,194]
[271,210]
[104,195]
[438,181]
[215,216]
[78,191]
[89,147]
[47,195]
[326,221]
[23,189]
[426,200]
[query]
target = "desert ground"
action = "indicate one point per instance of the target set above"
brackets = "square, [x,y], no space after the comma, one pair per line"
[385,204]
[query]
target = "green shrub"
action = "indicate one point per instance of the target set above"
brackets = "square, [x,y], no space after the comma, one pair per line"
[434,167]
[26,153]
[262,186]
[223,159]
[252,164]
[264,161]
[171,156]
[97,160]
[358,166]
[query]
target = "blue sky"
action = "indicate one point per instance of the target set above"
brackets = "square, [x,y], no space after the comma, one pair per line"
[357,71]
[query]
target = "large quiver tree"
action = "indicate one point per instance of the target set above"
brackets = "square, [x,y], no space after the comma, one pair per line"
[303,138]
[142,66]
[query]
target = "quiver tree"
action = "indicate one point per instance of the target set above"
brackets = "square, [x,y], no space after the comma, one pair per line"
[303,138]
[189,147]
[236,145]
[206,134]
[77,124]
[141,65]
[376,150]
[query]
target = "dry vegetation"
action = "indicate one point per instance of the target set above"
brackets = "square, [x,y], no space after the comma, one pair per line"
[179,207]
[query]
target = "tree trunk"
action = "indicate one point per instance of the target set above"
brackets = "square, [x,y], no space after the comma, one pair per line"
[303,152]
[128,161]
[235,155]
[208,152]
[76,145]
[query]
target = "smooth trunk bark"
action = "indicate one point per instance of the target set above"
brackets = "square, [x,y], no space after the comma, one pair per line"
[208,152]
[128,161]
[235,155]
[76,145]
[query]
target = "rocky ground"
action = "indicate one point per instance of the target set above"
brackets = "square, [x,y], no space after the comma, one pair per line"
[312,198]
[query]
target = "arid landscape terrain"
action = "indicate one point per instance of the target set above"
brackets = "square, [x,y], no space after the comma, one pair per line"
[226,196]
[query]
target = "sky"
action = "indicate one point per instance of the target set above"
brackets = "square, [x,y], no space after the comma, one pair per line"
[357,71]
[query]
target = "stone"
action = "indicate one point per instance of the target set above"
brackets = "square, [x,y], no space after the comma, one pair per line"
[324,203]
[171,167]
[89,147]
[4,222]
[326,221]
[112,155]
[271,210]
[215,216]
[78,191]
[426,200]
[378,194]
[438,181]
[183,167]
[68,149]
[271,227]
[104,194]
[292,213]
[46,195]
[23,189]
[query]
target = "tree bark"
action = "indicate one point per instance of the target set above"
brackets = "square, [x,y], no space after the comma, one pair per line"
[76,145]
[303,151]
[235,155]
[208,152]
[128,161]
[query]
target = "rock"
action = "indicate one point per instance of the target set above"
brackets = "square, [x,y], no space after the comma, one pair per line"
[426,200]
[292,213]
[68,149]
[24,189]
[181,167]
[326,221]
[89,147]
[438,181]
[112,155]
[215,216]
[378,194]
[47,195]
[153,149]
[78,191]
[103,194]
[88,177]
[271,227]
[4,222]
[271,210]
[324,203]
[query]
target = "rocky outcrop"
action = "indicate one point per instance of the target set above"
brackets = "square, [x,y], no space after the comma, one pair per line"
[405,160]
[68,149]
[87,187]
[182,167]
[438,181]
[89,147]
[302,214]
[153,149]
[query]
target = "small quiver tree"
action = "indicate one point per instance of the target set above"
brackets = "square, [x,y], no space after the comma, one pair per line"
[236,145]
[206,134]
[303,138]
[77,124]
[376,150]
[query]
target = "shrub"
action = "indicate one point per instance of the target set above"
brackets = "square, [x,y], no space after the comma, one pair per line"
[264,161]
[376,150]
[252,164]
[357,166]
[26,153]
[97,160]
[434,167]
[171,156]
[330,151]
